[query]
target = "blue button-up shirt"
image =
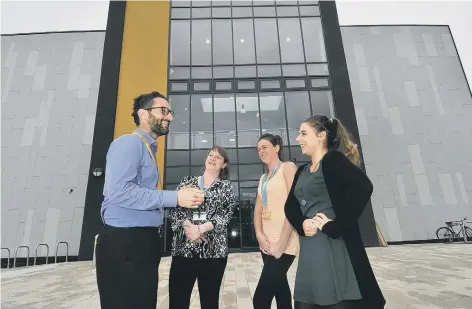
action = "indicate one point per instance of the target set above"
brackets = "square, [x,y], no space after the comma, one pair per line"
[131,197]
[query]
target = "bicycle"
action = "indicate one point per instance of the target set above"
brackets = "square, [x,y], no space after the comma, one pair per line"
[447,233]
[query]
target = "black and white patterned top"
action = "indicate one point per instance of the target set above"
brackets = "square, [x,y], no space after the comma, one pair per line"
[219,206]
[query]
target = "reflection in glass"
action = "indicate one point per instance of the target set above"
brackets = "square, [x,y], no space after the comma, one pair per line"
[243,35]
[250,172]
[179,129]
[247,113]
[320,69]
[177,157]
[180,3]
[264,11]
[175,174]
[202,121]
[273,114]
[201,3]
[246,85]
[233,169]
[269,70]
[297,155]
[201,73]
[241,3]
[320,82]
[322,103]
[263,2]
[286,155]
[201,42]
[180,42]
[298,109]
[197,170]
[198,157]
[294,70]
[201,86]
[179,87]
[285,2]
[287,11]
[225,122]
[249,155]
[267,47]
[242,12]
[222,42]
[180,13]
[223,72]
[234,230]
[270,84]
[313,39]
[247,202]
[245,71]
[290,40]
[223,86]
[179,73]
[296,83]
[221,2]
[221,12]
[201,13]
[310,11]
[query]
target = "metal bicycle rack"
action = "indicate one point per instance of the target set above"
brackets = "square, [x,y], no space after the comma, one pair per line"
[67,248]
[9,254]
[36,252]
[16,253]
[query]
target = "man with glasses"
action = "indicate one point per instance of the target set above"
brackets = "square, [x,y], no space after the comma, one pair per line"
[128,250]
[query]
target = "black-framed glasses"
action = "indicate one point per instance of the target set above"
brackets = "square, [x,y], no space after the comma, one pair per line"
[164,110]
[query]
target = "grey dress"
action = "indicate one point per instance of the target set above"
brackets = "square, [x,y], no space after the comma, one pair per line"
[324,275]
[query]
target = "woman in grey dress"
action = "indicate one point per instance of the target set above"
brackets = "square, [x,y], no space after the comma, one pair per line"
[325,201]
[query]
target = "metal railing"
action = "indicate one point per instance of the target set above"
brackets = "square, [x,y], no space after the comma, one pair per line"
[67,250]
[16,253]
[36,253]
[9,254]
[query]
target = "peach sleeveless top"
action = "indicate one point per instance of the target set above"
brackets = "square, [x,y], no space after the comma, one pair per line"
[277,193]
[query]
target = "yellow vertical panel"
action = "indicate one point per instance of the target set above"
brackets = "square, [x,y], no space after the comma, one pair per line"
[144,60]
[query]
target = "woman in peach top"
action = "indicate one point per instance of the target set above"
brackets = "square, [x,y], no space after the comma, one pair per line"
[277,239]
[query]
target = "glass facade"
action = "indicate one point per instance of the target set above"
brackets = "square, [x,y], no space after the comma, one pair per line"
[238,69]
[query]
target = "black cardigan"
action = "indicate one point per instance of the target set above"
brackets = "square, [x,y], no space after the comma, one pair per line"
[349,191]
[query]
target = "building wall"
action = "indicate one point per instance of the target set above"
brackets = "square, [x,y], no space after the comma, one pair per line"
[50,86]
[455,14]
[413,108]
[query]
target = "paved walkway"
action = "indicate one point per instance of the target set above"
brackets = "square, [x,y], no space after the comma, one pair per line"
[411,276]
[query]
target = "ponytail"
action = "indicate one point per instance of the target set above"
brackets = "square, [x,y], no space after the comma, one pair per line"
[337,136]
[343,142]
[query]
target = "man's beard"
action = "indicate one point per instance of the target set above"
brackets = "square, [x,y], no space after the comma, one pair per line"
[156,128]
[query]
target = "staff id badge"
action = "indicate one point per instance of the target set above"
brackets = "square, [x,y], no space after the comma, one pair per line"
[199,216]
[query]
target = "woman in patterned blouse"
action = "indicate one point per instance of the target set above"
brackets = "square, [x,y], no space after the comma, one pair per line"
[200,240]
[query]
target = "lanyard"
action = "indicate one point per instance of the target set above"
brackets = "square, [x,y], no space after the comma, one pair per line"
[150,153]
[202,188]
[202,183]
[264,183]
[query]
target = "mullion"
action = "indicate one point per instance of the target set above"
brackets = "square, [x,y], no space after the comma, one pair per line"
[283,84]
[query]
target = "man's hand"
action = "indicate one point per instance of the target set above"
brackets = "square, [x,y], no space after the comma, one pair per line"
[276,250]
[309,227]
[189,197]
[264,243]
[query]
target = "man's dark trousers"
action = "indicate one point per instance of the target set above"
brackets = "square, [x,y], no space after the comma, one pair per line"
[127,261]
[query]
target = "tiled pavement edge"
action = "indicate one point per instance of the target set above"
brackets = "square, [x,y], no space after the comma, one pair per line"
[411,276]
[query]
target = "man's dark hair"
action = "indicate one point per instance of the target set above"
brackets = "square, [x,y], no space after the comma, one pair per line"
[144,101]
